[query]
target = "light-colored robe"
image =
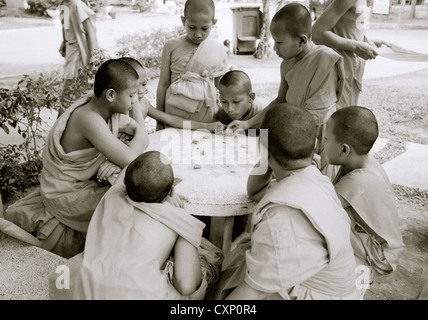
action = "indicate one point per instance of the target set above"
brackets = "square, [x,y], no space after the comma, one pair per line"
[67,195]
[119,262]
[311,194]
[192,94]
[315,82]
[352,25]
[371,196]
[77,51]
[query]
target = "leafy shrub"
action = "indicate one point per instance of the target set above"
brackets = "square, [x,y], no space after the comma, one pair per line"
[147,46]
[20,109]
[39,7]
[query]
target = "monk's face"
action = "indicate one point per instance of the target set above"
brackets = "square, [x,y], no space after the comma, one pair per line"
[286,46]
[332,147]
[235,100]
[125,99]
[198,25]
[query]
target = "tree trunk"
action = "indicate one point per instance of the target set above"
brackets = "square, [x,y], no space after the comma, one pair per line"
[412,13]
[263,48]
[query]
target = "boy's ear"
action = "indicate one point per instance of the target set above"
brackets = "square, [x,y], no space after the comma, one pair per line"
[252,96]
[214,21]
[183,20]
[345,150]
[304,39]
[110,95]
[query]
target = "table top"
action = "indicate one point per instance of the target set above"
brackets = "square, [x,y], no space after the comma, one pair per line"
[211,169]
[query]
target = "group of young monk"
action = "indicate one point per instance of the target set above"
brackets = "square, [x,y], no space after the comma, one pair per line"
[310,230]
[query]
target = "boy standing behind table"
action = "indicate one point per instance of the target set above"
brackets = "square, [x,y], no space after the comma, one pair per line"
[191,67]
[311,75]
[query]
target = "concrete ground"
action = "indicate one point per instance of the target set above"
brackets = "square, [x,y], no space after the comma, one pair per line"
[34,48]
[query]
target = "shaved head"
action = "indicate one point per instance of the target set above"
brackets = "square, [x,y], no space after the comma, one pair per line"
[205,6]
[356,126]
[149,178]
[294,19]
[114,74]
[291,133]
[236,77]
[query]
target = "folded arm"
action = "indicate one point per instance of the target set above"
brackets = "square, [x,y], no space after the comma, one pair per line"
[97,132]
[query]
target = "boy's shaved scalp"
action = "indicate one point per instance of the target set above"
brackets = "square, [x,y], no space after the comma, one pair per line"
[295,19]
[113,74]
[291,133]
[234,77]
[356,126]
[206,6]
[132,62]
[149,178]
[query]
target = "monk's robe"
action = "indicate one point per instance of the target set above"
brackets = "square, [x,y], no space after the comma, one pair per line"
[76,51]
[372,199]
[299,246]
[315,82]
[59,210]
[352,25]
[192,94]
[119,261]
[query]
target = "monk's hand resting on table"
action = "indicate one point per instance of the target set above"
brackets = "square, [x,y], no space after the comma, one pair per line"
[107,169]
[236,126]
[215,126]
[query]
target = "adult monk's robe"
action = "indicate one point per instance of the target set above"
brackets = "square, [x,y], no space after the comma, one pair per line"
[60,209]
[300,244]
[119,259]
[352,25]
[371,197]
[76,51]
[192,94]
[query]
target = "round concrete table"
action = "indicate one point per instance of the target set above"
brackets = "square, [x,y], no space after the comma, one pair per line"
[211,172]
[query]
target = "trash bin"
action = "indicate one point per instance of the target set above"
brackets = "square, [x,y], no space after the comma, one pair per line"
[247,25]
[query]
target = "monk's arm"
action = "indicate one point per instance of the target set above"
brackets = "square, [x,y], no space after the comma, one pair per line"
[97,132]
[91,37]
[322,31]
[257,183]
[178,122]
[164,81]
[187,267]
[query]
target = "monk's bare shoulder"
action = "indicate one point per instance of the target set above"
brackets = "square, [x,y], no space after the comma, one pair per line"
[173,44]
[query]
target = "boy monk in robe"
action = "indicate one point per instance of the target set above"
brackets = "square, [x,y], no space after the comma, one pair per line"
[364,190]
[139,245]
[191,67]
[299,245]
[311,75]
[71,183]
